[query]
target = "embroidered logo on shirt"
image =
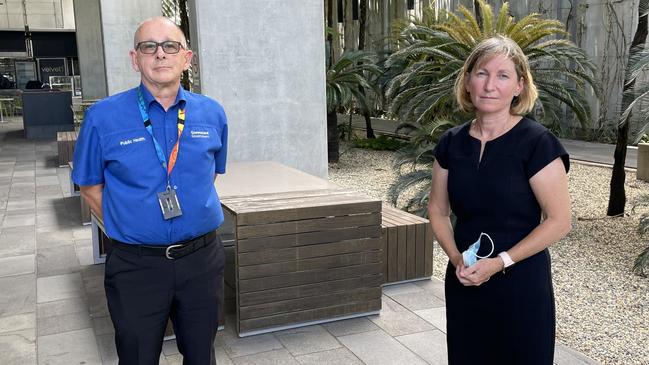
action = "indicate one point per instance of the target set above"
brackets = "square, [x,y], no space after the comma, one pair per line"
[130,141]
[200,134]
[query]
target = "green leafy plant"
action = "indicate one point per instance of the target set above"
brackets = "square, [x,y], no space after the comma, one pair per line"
[380,143]
[347,84]
[641,265]
[432,51]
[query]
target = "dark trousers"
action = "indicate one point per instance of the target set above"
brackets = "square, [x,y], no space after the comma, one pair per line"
[143,292]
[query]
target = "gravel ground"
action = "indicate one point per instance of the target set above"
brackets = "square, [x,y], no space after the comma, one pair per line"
[602,307]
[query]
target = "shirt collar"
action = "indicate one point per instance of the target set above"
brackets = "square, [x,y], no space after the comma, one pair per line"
[181,96]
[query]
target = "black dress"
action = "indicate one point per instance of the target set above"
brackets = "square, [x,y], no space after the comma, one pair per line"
[510,319]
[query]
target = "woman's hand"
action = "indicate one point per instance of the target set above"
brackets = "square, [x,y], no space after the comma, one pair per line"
[478,273]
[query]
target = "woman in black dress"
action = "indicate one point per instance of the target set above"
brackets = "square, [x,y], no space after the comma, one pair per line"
[503,175]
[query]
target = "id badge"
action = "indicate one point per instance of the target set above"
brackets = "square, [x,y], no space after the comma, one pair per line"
[169,203]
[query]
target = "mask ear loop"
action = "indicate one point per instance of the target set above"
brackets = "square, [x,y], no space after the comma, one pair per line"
[492,246]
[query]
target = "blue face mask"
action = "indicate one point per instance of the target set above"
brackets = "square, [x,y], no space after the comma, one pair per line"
[471,256]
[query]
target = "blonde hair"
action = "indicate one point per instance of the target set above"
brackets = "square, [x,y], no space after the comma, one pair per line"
[494,46]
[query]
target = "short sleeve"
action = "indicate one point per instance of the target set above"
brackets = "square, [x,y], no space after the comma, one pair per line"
[88,166]
[546,150]
[441,150]
[221,156]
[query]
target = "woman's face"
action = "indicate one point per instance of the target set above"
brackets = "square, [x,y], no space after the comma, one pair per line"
[493,84]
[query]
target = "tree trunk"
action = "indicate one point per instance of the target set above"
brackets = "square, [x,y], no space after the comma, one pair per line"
[330,38]
[332,137]
[362,24]
[368,124]
[478,12]
[617,196]
[361,46]
[184,25]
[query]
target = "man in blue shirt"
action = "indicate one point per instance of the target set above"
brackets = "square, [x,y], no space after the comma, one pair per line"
[146,160]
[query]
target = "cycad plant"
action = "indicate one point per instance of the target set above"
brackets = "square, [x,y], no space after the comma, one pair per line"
[347,84]
[641,265]
[432,51]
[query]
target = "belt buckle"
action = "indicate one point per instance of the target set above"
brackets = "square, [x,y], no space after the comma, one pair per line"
[167,251]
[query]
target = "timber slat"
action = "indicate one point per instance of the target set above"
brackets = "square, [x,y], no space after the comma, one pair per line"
[249,272]
[328,313]
[313,276]
[310,225]
[307,303]
[308,238]
[307,252]
[308,290]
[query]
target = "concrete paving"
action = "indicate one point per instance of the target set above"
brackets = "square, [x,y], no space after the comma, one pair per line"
[53,308]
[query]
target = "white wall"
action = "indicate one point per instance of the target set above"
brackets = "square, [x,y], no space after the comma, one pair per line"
[264,61]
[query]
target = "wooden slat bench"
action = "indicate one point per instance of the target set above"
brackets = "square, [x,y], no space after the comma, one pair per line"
[75,190]
[407,242]
[305,251]
[65,142]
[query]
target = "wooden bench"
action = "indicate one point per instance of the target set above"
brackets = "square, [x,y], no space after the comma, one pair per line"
[65,142]
[75,191]
[407,242]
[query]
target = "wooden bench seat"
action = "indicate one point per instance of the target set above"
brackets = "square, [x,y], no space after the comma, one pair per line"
[75,190]
[407,242]
[65,142]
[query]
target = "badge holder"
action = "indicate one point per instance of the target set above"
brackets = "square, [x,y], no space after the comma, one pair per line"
[169,203]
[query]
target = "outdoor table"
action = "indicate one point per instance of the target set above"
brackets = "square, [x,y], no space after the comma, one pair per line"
[303,251]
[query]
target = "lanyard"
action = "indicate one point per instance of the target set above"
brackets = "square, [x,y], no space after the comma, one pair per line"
[147,125]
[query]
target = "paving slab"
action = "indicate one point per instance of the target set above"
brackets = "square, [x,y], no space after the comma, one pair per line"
[106,348]
[18,294]
[341,356]
[18,322]
[17,241]
[56,261]
[306,340]
[429,345]
[434,316]
[275,357]
[13,205]
[418,300]
[62,307]
[63,323]
[350,326]
[564,355]
[238,347]
[378,348]
[74,347]
[17,265]
[19,347]
[18,220]
[396,320]
[433,285]
[59,287]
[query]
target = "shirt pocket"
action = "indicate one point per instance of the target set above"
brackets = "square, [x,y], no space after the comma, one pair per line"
[199,143]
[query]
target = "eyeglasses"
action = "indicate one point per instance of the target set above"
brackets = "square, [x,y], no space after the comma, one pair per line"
[151,47]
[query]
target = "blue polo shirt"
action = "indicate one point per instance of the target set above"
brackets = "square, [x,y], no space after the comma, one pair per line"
[114,149]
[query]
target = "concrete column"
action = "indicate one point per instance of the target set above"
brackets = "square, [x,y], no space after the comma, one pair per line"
[642,171]
[265,62]
[104,36]
[119,19]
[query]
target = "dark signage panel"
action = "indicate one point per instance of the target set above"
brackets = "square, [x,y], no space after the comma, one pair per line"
[51,67]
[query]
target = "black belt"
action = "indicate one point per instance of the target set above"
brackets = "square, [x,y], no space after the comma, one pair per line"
[174,251]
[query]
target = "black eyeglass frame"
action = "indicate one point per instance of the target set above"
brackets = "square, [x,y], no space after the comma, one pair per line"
[161,45]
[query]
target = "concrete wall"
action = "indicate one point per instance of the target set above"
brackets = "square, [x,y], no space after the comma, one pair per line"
[119,19]
[264,61]
[90,49]
[105,31]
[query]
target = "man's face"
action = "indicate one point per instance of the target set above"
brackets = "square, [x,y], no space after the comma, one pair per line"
[160,69]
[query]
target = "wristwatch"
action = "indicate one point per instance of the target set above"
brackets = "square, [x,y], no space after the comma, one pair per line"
[507,260]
